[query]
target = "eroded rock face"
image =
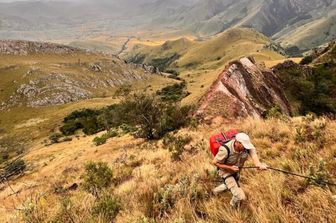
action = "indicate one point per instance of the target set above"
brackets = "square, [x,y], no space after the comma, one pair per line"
[243,89]
[53,89]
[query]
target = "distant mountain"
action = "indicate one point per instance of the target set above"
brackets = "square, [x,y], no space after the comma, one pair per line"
[304,23]
[308,22]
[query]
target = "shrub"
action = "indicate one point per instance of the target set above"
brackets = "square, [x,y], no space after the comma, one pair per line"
[173,93]
[166,197]
[333,51]
[146,115]
[54,138]
[174,72]
[103,139]
[311,130]
[274,112]
[14,168]
[70,127]
[97,177]
[320,176]
[107,206]
[33,210]
[174,117]
[86,119]
[175,145]
[127,128]
[99,140]
[66,211]
[306,60]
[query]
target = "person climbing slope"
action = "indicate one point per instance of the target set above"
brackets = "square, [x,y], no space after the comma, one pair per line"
[230,159]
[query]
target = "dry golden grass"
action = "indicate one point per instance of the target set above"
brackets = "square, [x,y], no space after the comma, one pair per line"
[152,187]
[272,63]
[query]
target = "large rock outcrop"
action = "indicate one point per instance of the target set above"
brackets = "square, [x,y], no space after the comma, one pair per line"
[243,89]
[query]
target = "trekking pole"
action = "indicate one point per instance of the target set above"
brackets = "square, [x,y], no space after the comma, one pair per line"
[293,174]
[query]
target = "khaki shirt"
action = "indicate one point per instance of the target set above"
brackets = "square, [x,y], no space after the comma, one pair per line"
[235,158]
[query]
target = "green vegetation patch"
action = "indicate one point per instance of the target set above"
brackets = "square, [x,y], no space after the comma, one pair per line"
[313,88]
[174,92]
[146,116]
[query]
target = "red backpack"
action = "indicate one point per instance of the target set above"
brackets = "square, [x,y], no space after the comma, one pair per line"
[218,140]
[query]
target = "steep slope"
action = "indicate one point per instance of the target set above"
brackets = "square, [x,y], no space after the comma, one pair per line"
[290,21]
[243,89]
[165,191]
[311,88]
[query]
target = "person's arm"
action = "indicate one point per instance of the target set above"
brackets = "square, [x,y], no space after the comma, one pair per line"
[233,169]
[256,161]
[220,157]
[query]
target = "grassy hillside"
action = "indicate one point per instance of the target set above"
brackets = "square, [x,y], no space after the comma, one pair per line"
[184,54]
[200,62]
[38,90]
[148,186]
[312,34]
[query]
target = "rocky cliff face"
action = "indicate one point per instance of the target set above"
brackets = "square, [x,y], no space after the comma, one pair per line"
[243,89]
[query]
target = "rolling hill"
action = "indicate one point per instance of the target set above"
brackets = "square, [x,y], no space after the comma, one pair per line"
[42,82]
[184,54]
[200,62]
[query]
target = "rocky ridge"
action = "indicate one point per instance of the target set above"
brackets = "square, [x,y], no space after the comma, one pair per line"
[21,47]
[243,89]
[43,84]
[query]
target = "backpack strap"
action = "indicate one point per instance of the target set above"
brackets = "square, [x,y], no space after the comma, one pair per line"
[228,153]
[224,135]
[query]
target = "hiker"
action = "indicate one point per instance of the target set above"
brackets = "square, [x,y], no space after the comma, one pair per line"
[229,160]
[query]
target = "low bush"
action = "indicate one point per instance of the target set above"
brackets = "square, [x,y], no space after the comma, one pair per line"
[176,145]
[66,212]
[173,93]
[319,175]
[107,207]
[97,177]
[174,72]
[311,130]
[274,112]
[55,138]
[14,168]
[306,60]
[103,139]
[86,119]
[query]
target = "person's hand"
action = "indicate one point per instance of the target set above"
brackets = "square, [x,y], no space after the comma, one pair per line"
[262,166]
[234,169]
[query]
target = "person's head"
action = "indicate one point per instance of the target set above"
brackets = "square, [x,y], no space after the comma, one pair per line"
[243,142]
